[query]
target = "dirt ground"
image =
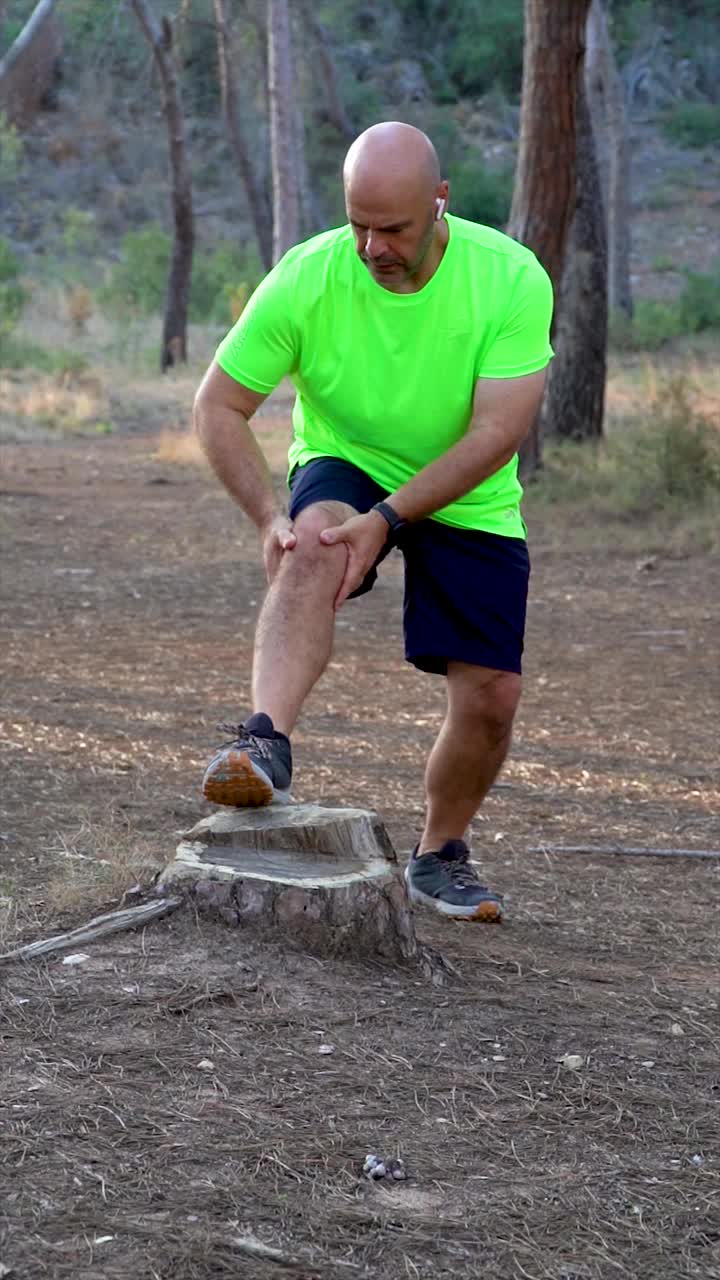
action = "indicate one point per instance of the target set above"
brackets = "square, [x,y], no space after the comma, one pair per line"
[166,1100]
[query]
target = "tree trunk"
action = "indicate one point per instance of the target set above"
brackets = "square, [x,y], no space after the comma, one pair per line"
[574,402]
[310,217]
[22,42]
[337,114]
[260,212]
[174,337]
[284,175]
[609,113]
[544,194]
[326,879]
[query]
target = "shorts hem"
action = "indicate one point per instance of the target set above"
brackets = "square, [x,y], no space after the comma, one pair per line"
[436,665]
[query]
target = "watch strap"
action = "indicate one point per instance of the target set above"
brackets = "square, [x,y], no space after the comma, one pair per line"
[394,521]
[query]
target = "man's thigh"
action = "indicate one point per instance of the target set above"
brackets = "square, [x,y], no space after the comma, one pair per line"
[465,598]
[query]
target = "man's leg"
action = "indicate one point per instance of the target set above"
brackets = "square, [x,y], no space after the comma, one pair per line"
[469,751]
[294,635]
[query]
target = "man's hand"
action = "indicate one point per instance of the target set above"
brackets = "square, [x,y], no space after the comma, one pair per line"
[364,536]
[278,537]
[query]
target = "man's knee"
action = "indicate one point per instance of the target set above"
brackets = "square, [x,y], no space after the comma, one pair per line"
[490,698]
[310,555]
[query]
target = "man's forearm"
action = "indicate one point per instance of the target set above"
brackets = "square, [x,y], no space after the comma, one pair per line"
[237,459]
[476,456]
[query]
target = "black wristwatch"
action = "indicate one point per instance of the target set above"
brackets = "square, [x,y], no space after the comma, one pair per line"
[395,522]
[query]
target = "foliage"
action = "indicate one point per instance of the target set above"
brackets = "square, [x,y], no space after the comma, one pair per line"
[480,194]
[663,460]
[18,352]
[693,124]
[12,295]
[139,281]
[11,151]
[655,323]
[470,45]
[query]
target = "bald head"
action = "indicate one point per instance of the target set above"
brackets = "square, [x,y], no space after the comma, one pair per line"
[394,155]
[395,201]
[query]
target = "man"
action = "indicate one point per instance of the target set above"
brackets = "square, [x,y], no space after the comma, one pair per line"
[417,343]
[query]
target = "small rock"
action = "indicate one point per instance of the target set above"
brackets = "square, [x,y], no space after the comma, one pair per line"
[698,1160]
[676,1029]
[102,1239]
[77,957]
[206,1064]
[326,1048]
[396,1170]
[572,1061]
[649,1062]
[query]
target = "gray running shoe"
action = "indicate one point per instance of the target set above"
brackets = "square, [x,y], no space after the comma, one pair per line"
[448,882]
[253,769]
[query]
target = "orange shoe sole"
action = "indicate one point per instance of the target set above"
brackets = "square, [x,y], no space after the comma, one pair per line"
[234,782]
[487,913]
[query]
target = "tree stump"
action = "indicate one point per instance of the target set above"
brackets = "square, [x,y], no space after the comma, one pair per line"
[327,879]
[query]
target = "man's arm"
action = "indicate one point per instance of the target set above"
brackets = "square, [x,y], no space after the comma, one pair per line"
[503,412]
[221,414]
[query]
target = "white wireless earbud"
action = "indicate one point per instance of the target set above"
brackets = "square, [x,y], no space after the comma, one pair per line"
[439,209]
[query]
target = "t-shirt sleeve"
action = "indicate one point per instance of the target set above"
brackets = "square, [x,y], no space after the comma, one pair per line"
[521,344]
[263,346]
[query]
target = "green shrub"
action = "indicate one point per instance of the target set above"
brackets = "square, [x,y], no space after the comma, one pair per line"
[693,124]
[12,295]
[17,352]
[655,323]
[666,460]
[138,282]
[699,303]
[480,194]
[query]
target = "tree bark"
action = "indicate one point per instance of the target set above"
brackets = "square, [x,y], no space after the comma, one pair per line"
[337,114]
[174,336]
[544,194]
[574,402]
[284,175]
[260,212]
[609,113]
[327,879]
[23,41]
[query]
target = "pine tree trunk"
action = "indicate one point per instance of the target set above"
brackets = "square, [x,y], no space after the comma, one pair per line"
[574,401]
[260,212]
[174,337]
[609,113]
[544,193]
[286,217]
[337,114]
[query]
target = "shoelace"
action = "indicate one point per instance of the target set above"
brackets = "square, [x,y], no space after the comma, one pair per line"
[239,736]
[462,873]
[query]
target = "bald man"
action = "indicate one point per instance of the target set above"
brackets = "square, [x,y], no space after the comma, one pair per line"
[417,343]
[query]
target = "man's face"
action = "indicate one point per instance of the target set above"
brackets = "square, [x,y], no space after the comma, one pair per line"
[391,239]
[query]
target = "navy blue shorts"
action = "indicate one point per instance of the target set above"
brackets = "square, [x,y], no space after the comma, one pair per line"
[465,590]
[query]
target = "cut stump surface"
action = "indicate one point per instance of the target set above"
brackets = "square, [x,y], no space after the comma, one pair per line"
[328,879]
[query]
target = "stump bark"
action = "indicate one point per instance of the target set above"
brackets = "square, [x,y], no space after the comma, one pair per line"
[327,879]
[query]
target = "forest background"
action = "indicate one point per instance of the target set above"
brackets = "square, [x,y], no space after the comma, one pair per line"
[86,220]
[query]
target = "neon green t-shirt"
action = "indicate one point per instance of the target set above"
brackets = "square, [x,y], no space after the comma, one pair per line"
[386,380]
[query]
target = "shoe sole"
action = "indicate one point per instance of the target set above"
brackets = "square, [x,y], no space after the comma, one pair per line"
[240,784]
[484,913]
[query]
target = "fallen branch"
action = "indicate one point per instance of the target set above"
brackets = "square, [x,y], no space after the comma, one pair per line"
[100,927]
[256,1249]
[624,851]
